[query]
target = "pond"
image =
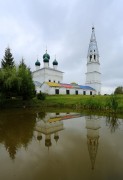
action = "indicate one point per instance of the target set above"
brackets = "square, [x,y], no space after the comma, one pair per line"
[38,145]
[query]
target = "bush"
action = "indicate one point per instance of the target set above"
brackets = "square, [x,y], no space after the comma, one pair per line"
[41,96]
[112,103]
[2,100]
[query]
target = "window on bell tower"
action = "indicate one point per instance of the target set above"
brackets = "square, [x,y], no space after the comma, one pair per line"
[90,57]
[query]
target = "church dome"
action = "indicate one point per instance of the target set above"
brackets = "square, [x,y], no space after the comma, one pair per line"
[56,138]
[46,55]
[46,59]
[37,63]
[55,62]
[39,138]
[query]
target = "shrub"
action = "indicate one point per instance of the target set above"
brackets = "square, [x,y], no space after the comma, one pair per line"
[41,96]
[112,103]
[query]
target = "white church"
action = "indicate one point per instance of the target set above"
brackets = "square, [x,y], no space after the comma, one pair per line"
[50,79]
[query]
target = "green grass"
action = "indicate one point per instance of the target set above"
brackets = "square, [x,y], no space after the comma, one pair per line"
[78,102]
[105,103]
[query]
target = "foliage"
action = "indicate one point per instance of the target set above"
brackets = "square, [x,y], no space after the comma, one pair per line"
[27,88]
[16,81]
[119,90]
[112,103]
[41,96]
[2,99]
[8,60]
[113,122]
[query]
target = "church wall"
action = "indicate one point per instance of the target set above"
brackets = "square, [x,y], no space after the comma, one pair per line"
[96,86]
[93,66]
[38,89]
[53,76]
[93,77]
[46,74]
[38,76]
[45,88]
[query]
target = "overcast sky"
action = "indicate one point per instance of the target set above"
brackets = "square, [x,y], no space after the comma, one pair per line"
[64,26]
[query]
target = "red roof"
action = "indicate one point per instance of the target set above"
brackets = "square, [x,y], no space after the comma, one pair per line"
[66,85]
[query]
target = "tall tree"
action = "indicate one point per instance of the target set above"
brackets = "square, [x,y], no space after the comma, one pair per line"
[22,64]
[27,87]
[119,90]
[8,60]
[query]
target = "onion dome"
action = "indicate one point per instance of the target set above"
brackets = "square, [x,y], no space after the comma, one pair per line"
[39,137]
[56,137]
[46,56]
[37,63]
[48,142]
[46,59]
[55,62]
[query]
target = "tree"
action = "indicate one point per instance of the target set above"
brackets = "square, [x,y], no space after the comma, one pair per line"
[22,63]
[9,82]
[16,81]
[27,87]
[8,60]
[118,90]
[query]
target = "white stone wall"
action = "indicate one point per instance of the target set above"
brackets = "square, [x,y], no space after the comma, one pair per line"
[93,66]
[93,77]
[53,75]
[46,74]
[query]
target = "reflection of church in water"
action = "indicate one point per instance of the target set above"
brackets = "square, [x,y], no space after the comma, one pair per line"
[92,126]
[50,125]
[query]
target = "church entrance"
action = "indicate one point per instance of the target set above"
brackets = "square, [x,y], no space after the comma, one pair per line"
[56,91]
[90,92]
[76,92]
[67,91]
[84,92]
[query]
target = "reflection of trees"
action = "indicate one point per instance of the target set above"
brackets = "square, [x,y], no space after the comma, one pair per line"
[16,131]
[42,114]
[113,122]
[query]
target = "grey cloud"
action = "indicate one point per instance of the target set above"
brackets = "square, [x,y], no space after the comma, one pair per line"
[65,27]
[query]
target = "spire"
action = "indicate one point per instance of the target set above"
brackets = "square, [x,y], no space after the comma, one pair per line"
[93,54]
[93,126]
[93,37]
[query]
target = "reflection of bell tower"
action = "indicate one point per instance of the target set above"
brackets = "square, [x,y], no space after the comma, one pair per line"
[92,125]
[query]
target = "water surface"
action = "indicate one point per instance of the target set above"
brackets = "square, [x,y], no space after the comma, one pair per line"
[60,146]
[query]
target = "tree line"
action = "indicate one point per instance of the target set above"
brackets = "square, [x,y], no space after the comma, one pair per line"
[15,81]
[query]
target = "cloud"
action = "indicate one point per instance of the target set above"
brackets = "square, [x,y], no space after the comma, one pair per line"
[65,28]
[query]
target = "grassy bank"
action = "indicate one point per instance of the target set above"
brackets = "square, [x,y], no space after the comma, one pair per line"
[78,102]
[114,103]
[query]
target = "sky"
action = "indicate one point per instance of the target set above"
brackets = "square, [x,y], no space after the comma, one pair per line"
[64,27]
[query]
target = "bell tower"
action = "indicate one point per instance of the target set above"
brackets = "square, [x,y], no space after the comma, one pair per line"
[93,75]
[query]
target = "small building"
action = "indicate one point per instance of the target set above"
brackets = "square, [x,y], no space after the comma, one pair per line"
[60,88]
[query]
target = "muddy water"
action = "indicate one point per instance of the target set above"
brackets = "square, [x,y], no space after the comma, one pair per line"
[37,145]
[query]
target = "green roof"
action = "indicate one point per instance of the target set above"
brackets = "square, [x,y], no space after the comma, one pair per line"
[46,55]
[55,62]
[37,63]
[46,59]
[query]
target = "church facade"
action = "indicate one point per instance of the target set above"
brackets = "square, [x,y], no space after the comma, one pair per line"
[50,80]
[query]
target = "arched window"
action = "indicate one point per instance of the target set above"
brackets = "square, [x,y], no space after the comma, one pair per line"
[90,57]
[94,56]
